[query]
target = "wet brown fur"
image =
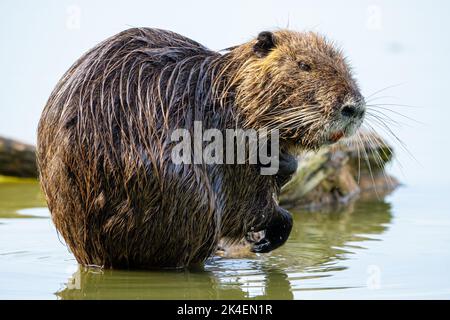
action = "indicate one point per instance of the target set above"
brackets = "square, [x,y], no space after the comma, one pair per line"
[104,141]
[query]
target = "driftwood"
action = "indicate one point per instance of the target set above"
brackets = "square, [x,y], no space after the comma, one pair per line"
[338,174]
[17,159]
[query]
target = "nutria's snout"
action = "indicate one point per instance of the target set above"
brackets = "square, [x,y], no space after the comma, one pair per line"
[352,114]
[352,111]
[349,117]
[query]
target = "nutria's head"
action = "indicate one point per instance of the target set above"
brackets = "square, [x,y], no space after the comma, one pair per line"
[299,83]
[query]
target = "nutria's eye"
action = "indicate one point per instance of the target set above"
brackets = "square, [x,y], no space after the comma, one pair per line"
[304,66]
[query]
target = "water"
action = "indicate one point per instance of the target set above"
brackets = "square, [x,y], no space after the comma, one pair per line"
[376,249]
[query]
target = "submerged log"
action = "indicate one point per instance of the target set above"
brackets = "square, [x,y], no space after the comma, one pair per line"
[338,174]
[17,159]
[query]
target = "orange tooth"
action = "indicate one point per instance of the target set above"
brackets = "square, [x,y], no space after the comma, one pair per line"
[336,136]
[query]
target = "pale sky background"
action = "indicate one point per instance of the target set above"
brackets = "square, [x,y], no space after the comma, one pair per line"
[388,43]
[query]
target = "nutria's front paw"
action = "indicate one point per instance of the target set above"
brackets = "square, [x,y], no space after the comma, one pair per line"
[276,232]
[287,167]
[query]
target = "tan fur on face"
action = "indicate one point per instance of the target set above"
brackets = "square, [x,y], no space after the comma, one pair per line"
[273,93]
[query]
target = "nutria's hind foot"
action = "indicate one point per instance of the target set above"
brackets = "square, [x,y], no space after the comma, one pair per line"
[276,232]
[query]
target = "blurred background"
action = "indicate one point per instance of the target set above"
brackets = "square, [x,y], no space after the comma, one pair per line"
[399,46]
[382,247]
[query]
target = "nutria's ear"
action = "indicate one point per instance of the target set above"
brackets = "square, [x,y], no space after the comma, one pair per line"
[265,43]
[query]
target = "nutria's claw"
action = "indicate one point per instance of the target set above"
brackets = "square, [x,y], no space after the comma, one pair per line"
[276,232]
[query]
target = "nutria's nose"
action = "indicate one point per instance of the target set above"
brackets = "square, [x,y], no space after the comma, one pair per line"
[352,111]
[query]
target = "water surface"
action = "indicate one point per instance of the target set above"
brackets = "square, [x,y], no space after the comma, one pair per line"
[389,248]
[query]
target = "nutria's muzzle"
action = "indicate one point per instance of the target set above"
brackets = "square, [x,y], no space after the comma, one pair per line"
[349,118]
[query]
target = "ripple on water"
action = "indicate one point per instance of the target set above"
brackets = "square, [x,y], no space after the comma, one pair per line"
[35,212]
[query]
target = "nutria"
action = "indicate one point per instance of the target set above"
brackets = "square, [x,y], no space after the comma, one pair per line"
[104,151]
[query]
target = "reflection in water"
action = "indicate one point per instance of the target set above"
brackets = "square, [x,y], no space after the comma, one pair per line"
[249,282]
[318,243]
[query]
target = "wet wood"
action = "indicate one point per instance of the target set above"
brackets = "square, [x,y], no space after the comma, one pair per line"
[17,159]
[337,175]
